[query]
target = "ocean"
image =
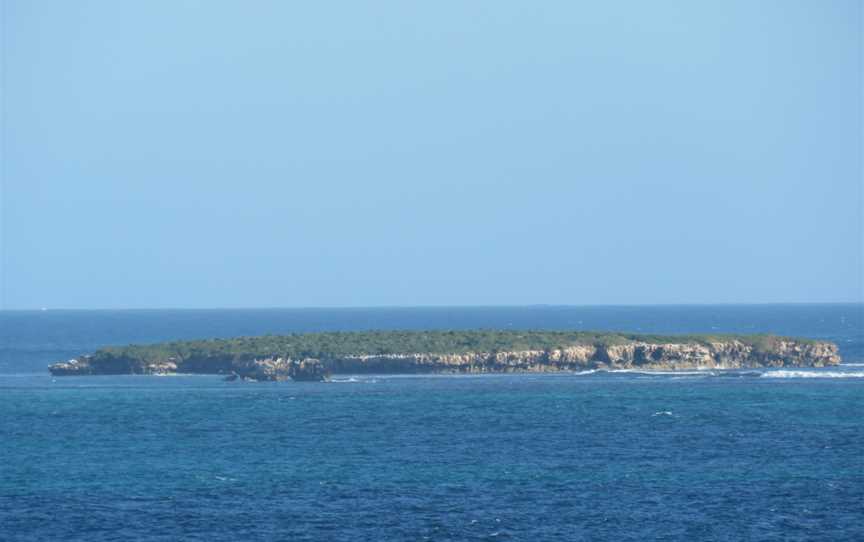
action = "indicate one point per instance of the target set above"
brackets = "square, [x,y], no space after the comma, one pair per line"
[576,456]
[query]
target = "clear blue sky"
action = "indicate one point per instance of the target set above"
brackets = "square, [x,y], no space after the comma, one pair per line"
[220,154]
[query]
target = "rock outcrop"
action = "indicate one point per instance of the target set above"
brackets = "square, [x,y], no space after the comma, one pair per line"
[268,369]
[642,355]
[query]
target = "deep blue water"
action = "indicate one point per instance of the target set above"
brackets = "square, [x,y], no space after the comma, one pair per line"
[603,456]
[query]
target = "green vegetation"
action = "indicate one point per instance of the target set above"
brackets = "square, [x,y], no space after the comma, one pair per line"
[341,344]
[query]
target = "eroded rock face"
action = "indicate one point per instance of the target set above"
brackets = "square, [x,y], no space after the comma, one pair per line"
[79,366]
[791,353]
[88,365]
[731,354]
[647,356]
[268,369]
[571,358]
[718,355]
[279,369]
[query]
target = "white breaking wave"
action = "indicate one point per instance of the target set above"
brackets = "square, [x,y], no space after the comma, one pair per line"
[344,380]
[852,365]
[811,374]
[664,373]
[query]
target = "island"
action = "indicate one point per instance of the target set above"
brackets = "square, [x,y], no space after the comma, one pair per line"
[316,356]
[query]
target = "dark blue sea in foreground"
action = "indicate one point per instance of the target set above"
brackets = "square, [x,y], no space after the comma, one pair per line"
[775,455]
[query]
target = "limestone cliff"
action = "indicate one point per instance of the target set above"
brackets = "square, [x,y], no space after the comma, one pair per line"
[646,356]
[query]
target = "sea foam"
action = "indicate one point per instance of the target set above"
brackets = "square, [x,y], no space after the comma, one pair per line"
[811,374]
[704,372]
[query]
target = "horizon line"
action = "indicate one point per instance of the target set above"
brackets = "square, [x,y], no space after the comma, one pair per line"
[480,306]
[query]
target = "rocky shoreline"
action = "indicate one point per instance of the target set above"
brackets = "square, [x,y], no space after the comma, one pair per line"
[647,356]
[263,370]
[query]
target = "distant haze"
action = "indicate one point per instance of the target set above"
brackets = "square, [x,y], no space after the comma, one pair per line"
[254,154]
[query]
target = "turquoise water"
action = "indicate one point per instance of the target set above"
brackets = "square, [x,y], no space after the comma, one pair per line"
[600,456]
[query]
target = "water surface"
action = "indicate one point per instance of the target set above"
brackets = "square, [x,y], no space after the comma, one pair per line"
[599,456]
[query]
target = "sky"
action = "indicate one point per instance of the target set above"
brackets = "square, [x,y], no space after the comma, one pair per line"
[176,153]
